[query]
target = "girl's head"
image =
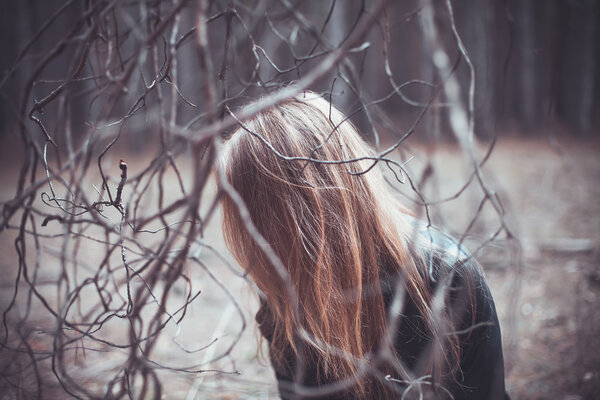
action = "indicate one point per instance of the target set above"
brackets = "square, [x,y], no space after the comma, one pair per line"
[310,189]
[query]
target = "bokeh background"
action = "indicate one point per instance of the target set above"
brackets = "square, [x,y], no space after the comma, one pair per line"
[490,108]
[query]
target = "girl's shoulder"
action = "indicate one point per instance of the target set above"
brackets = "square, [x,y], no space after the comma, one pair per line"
[440,253]
[451,267]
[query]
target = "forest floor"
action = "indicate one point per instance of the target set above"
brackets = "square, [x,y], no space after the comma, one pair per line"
[547,289]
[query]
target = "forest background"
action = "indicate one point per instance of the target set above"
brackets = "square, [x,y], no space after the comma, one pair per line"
[115,280]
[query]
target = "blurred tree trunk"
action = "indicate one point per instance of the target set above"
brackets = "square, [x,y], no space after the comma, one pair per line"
[336,32]
[527,92]
[15,30]
[479,35]
[432,118]
[578,53]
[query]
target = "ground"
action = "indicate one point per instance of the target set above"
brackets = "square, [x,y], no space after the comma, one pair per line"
[546,285]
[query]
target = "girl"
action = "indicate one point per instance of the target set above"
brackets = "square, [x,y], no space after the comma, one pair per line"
[358,299]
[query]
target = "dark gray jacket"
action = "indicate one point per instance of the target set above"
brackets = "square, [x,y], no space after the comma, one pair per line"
[481,373]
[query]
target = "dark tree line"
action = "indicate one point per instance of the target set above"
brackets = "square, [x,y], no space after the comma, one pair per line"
[535,61]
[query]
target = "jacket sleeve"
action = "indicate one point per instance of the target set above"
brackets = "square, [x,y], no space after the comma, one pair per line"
[481,374]
[289,376]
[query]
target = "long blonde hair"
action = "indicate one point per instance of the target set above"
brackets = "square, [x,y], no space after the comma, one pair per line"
[300,168]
